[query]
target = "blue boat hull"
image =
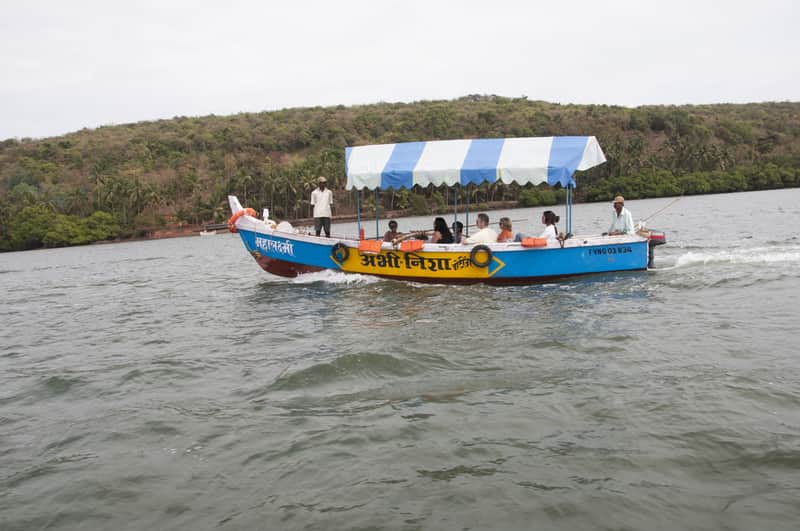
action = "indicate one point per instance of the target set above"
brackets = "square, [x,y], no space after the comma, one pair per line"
[290,255]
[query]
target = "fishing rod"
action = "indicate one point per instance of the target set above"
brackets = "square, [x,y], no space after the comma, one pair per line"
[415,233]
[663,208]
[412,233]
[497,222]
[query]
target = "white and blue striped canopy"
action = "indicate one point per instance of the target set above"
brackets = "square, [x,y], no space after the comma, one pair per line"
[552,159]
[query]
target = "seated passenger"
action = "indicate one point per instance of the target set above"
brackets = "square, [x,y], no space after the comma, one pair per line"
[505,231]
[441,234]
[392,233]
[550,231]
[484,234]
[458,231]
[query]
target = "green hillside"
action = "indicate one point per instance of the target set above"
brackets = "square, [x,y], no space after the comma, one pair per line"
[129,180]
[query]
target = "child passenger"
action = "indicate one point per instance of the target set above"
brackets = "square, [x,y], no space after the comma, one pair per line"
[458,231]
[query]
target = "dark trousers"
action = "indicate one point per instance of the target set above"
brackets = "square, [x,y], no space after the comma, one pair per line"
[323,223]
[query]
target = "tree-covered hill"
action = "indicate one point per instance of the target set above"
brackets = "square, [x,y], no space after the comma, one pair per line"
[128,180]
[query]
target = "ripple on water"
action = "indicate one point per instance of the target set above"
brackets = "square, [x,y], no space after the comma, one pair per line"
[50,468]
[66,442]
[158,427]
[349,366]
[448,474]
[59,385]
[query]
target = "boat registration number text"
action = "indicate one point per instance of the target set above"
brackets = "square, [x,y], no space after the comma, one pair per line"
[610,250]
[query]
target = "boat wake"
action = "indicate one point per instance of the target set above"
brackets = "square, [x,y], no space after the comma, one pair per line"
[750,255]
[329,276]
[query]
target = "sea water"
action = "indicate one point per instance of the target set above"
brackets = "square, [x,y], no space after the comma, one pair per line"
[172,384]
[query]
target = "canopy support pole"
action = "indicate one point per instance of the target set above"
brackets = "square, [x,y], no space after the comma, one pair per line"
[377,214]
[455,206]
[569,211]
[466,214]
[358,212]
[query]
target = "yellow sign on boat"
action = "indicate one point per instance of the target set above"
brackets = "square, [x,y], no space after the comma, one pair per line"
[421,264]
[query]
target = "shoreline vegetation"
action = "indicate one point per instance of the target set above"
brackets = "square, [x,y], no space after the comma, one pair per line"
[172,177]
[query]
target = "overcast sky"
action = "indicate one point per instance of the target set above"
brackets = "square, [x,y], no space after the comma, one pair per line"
[66,65]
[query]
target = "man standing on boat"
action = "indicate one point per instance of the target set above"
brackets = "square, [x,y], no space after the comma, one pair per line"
[622,221]
[322,199]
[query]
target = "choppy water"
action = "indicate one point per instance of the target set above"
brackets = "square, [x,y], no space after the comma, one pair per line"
[173,385]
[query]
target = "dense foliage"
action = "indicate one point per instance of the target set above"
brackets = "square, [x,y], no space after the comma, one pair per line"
[129,180]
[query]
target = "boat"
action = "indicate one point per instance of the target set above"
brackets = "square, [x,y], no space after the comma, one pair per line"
[208,233]
[285,251]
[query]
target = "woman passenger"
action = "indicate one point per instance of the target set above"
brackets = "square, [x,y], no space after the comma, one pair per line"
[441,234]
[505,231]
[550,231]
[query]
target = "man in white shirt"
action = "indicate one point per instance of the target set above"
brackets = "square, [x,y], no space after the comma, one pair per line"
[484,234]
[622,221]
[322,199]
